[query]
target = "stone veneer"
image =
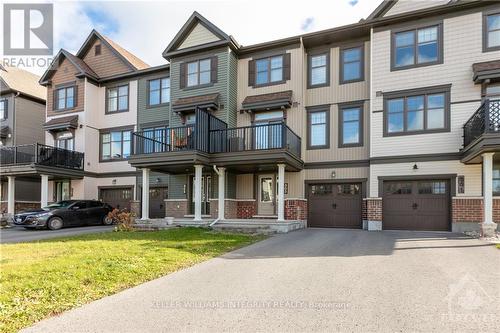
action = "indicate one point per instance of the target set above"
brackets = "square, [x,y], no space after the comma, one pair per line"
[246,209]
[177,208]
[295,209]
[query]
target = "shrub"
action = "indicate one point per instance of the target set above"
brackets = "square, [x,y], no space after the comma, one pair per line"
[123,219]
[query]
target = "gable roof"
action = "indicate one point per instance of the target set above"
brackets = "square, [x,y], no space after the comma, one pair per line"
[128,58]
[82,67]
[194,19]
[22,81]
[381,9]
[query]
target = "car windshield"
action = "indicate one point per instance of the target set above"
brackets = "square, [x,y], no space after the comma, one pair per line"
[59,204]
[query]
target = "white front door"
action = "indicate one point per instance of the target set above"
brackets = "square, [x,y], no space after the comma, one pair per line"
[266,194]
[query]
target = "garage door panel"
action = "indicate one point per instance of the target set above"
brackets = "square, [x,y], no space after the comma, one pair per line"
[117,197]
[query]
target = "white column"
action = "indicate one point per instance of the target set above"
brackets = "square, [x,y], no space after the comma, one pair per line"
[145,194]
[488,187]
[11,195]
[222,194]
[44,195]
[198,170]
[281,192]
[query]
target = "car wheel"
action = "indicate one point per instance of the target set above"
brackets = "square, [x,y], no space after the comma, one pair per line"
[106,220]
[55,223]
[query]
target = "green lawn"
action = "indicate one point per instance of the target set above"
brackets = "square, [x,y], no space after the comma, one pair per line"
[40,279]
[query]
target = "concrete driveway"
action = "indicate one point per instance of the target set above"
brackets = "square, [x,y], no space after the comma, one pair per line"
[19,234]
[314,280]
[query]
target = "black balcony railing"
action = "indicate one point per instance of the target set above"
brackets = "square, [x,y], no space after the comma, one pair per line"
[41,154]
[485,120]
[210,134]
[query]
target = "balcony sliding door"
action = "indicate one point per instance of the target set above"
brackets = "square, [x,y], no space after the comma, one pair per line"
[268,130]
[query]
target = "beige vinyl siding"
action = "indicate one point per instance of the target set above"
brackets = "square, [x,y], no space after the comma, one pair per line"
[107,63]
[472,173]
[30,117]
[462,48]
[244,186]
[65,73]
[402,6]
[199,35]
[340,173]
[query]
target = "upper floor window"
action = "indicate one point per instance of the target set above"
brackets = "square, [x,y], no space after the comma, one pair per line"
[318,129]
[269,70]
[492,32]
[64,98]
[198,72]
[116,144]
[417,113]
[318,70]
[351,64]
[97,49]
[3,109]
[117,99]
[159,91]
[351,125]
[417,47]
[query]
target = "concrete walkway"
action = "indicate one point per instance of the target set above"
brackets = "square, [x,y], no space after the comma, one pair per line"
[314,280]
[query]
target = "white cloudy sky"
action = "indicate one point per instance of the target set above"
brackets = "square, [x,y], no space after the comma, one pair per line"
[146,27]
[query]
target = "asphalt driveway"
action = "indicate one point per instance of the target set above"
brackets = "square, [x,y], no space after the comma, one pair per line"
[314,280]
[19,234]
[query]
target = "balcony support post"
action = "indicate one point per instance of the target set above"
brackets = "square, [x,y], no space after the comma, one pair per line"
[11,195]
[145,194]
[198,171]
[488,227]
[281,192]
[221,173]
[44,194]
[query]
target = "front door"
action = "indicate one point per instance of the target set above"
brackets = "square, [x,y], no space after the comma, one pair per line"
[62,190]
[206,193]
[266,195]
[157,195]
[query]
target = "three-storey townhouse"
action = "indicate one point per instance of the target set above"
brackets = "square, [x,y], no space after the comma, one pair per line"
[22,110]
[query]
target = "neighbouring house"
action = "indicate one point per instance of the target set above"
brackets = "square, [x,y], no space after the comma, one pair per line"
[389,123]
[22,111]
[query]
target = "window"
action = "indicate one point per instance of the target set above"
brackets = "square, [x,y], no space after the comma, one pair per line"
[417,47]
[348,189]
[318,129]
[350,120]
[437,187]
[97,49]
[417,113]
[351,64]
[198,72]
[319,70]
[64,98]
[3,109]
[398,188]
[116,144]
[491,28]
[496,175]
[159,91]
[325,189]
[269,70]
[118,99]
[65,140]
[493,91]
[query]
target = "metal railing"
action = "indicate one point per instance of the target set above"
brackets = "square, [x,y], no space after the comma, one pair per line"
[41,154]
[165,140]
[485,120]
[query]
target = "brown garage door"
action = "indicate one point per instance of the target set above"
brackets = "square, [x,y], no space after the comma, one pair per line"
[335,206]
[117,197]
[157,195]
[416,205]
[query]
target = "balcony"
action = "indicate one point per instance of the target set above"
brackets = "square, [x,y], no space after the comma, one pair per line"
[482,132]
[209,141]
[39,158]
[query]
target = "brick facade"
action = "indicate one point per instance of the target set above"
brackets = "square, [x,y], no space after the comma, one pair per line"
[246,209]
[471,210]
[19,206]
[176,208]
[295,209]
[230,208]
[373,209]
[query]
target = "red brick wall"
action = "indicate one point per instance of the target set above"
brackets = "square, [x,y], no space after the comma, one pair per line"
[19,206]
[230,208]
[364,212]
[467,210]
[373,209]
[246,209]
[295,209]
[496,210]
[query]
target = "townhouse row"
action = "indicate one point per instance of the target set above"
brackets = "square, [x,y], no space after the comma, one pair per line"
[389,123]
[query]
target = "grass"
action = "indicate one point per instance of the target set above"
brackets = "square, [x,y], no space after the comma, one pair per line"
[40,279]
[498,246]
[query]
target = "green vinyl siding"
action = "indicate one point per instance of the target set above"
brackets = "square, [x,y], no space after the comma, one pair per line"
[155,114]
[176,186]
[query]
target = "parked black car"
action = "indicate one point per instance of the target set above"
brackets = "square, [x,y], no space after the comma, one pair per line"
[66,213]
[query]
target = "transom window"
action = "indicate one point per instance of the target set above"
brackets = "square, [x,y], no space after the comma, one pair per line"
[269,70]
[116,145]
[65,98]
[351,64]
[318,129]
[417,47]
[417,114]
[492,33]
[159,91]
[318,70]
[3,109]
[350,120]
[118,99]
[198,72]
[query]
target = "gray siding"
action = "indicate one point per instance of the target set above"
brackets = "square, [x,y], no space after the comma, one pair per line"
[150,115]
[28,121]
[176,187]
[10,118]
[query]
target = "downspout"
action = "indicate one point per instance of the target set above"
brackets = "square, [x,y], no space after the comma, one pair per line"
[218,175]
